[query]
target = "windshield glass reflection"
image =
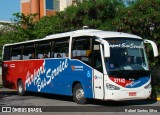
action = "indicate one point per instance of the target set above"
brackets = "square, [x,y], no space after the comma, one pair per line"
[126,54]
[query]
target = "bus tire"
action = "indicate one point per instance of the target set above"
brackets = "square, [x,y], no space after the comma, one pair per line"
[78,94]
[20,88]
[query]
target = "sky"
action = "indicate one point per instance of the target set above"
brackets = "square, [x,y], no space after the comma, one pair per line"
[7,8]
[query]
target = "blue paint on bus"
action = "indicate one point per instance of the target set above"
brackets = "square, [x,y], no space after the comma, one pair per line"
[58,76]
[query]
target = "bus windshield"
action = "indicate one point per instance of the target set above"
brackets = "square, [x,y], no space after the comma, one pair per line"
[126,54]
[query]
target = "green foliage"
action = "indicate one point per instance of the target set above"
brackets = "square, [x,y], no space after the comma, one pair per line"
[21,30]
[44,27]
[143,19]
[91,13]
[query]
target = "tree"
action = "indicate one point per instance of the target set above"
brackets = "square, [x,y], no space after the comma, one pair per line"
[90,13]
[143,19]
[20,30]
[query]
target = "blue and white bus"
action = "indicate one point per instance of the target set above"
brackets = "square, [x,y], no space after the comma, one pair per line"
[84,64]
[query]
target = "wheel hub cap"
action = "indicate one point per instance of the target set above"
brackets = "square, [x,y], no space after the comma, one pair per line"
[79,94]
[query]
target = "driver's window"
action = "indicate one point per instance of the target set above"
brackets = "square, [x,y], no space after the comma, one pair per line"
[97,61]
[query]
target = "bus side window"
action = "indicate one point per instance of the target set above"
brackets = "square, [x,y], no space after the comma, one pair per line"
[6,54]
[81,49]
[43,50]
[16,53]
[29,51]
[61,47]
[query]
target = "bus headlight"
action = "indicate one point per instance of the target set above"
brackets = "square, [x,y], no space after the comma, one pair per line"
[112,87]
[148,86]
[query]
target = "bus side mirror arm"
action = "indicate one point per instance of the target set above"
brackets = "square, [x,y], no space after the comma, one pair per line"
[106,48]
[154,46]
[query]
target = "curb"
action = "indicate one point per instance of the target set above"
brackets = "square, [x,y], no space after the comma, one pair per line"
[7,90]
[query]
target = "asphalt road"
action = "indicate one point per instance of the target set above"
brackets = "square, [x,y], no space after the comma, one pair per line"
[64,104]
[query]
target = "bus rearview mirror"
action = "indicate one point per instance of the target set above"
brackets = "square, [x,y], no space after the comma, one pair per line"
[106,48]
[154,46]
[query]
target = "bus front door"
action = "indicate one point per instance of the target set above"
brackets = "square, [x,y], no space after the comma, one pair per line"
[98,77]
[98,85]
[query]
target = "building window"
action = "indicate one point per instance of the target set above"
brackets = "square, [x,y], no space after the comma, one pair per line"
[53,5]
[56,5]
[49,4]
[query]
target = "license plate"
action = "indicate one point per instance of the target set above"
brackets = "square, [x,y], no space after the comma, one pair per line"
[132,93]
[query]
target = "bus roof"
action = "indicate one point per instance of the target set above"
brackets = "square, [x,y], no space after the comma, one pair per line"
[86,32]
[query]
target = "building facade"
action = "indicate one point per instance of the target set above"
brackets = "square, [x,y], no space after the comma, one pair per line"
[44,7]
[50,7]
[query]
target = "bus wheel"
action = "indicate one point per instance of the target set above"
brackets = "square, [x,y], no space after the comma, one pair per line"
[20,89]
[78,94]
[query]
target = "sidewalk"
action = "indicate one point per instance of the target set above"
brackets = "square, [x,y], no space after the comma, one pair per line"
[4,92]
[7,90]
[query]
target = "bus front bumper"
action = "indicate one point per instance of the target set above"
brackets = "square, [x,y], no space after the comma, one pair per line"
[119,95]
